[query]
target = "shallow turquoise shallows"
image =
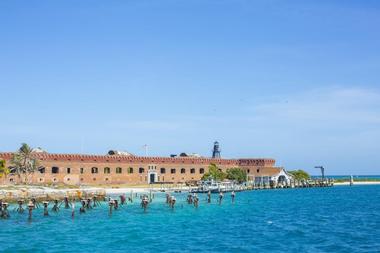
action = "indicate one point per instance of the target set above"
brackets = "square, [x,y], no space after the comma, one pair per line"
[337,219]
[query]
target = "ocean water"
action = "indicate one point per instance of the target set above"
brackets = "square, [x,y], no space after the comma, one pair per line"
[336,219]
[347,177]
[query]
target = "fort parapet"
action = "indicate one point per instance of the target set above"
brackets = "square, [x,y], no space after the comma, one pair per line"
[76,169]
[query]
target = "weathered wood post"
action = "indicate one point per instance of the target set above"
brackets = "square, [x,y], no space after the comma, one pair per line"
[30,209]
[45,204]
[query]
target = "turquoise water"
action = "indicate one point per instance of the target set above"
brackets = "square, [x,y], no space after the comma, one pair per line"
[337,219]
[347,177]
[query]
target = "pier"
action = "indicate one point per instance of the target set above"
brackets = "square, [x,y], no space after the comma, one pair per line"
[215,187]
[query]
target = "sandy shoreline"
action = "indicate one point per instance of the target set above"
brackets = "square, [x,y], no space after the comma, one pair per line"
[12,193]
[15,193]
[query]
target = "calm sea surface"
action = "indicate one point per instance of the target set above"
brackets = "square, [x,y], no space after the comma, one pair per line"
[337,219]
[347,177]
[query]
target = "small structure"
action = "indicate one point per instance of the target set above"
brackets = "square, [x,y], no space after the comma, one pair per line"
[270,177]
[216,151]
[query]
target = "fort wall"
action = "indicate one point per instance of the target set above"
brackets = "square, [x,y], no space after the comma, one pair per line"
[75,169]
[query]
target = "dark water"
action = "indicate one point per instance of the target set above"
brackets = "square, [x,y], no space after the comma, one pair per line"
[337,219]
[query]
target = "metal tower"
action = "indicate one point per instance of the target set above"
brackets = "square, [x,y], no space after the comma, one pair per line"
[216,150]
[322,171]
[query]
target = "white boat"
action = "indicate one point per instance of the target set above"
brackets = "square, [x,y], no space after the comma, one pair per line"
[213,186]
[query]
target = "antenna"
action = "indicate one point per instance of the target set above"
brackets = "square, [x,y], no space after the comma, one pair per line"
[146,149]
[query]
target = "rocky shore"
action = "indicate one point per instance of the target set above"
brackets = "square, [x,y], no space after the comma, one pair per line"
[47,194]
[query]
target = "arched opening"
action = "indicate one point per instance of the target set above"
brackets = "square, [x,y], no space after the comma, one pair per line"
[68,170]
[107,170]
[183,171]
[281,179]
[163,170]
[54,170]
[192,171]
[41,170]
[201,171]
[152,178]
[172,171]
[119,170]
[94,170]
[141,170]
[130,170]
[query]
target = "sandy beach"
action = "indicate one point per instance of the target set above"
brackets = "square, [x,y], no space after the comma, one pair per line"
[16,192]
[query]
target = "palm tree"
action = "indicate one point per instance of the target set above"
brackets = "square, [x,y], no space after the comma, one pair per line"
[24,163]
[3,169]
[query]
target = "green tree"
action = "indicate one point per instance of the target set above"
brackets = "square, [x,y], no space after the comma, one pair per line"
[3,168]
[237,174]
[215,173]
[299,174]
[24,163]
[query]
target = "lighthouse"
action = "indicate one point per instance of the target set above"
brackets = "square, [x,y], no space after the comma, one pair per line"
[216,150]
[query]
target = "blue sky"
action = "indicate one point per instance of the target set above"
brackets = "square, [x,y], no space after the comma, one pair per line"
[294,80]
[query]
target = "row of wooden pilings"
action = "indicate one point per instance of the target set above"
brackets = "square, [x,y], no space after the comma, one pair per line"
[86,204]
